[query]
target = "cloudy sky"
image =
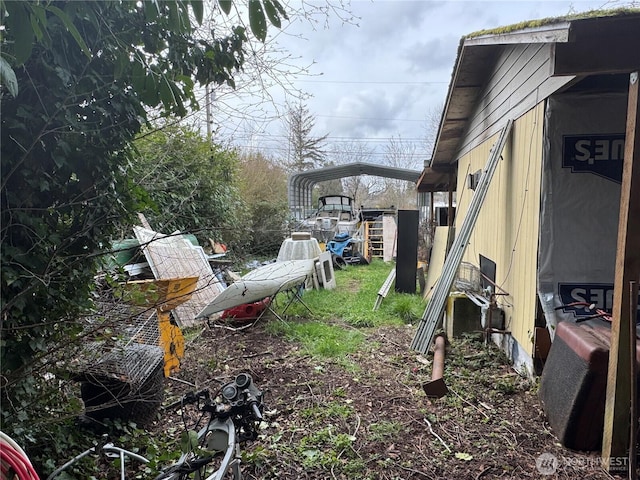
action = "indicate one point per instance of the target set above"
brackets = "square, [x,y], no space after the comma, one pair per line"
[378,70]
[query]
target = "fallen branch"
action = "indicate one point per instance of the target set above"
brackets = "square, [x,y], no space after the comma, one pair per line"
[253,355]
[469,403]
[483,472]
[436,435]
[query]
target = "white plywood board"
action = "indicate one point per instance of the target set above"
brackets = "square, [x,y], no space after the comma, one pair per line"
[173,256]
[389,235]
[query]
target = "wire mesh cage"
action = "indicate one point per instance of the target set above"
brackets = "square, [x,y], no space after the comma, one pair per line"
[467,278]
[127,348]
[121,367]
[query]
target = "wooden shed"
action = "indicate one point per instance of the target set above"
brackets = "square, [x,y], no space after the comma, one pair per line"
[547,226]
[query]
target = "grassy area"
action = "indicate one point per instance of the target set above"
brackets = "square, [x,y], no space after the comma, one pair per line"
[335,316]
[353,299]
[319,338]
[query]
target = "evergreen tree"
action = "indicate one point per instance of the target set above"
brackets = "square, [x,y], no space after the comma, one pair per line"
[305,152]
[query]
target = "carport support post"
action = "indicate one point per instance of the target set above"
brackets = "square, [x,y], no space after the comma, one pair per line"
[616,420]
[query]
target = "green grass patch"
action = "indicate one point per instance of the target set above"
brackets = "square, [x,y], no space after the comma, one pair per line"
[355,296]
[405,307]
[328,411]
[318,338]
[328,449]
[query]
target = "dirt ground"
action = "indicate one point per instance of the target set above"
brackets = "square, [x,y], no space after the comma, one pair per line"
[367,417]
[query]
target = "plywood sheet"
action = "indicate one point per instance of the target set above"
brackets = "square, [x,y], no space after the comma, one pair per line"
[173,256]
[389,236]
[438,254]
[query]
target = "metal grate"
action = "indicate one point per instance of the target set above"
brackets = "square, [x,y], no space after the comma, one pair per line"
[132,363]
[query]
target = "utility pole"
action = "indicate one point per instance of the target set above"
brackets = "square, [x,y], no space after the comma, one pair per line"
[210,96]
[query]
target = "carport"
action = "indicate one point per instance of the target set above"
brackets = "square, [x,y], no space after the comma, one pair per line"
[301,184]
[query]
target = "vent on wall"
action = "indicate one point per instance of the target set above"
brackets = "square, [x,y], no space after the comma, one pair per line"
[473,179]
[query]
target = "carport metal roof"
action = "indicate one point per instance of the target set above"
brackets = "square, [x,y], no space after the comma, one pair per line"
[301,184]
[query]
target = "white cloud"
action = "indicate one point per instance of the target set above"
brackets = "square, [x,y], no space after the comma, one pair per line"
[383,77]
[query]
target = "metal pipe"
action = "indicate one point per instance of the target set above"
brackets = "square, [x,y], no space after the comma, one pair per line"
[438,358]
[436,388]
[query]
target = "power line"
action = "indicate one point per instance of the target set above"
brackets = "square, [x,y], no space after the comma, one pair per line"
[372,118]
[372,83]
[339,152]
[277,137]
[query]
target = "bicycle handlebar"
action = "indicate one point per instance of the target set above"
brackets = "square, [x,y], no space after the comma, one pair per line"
[238,396]
[189,398]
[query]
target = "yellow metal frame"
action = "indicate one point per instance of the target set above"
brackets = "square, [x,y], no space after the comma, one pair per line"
[164,295]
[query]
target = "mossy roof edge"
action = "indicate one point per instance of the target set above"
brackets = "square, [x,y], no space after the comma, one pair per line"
[542,22]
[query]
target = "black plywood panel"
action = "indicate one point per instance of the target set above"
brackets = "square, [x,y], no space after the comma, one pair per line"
[407,255]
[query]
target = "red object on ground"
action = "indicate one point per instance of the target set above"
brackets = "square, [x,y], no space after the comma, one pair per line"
[246,312]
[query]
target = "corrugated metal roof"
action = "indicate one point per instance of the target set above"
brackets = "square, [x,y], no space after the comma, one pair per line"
[301,183]
[351,170]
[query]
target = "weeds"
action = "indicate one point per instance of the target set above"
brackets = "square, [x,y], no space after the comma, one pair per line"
[405,307]
[384,430]
[325,448]
[319,339]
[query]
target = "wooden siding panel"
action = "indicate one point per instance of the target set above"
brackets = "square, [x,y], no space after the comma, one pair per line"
[507,226]
[516,64]
[519,81]
[520,249]
[436,262]
[521,70]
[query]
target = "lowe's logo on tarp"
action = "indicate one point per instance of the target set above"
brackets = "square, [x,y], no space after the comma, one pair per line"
[600,294]
[599,154]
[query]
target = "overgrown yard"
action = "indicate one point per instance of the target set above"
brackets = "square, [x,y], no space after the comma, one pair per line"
[344,396]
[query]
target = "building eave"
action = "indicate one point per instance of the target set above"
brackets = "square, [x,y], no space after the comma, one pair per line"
[572,37]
